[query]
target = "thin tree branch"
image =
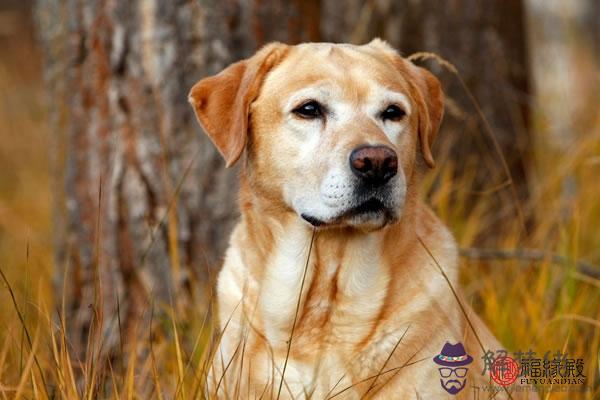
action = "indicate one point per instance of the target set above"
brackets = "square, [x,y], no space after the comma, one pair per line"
[521,254]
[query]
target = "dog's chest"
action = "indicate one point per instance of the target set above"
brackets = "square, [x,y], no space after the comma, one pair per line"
[335,296]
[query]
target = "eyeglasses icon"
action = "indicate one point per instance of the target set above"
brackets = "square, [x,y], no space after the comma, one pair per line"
[447,372]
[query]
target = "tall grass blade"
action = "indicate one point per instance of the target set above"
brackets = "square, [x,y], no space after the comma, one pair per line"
[289,344]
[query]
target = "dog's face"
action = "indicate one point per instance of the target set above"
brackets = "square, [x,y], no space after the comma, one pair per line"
[332,131]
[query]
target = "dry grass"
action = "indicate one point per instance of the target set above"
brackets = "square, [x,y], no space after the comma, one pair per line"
[527,304]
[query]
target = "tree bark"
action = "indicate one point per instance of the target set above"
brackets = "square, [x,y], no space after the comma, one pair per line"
[144,205]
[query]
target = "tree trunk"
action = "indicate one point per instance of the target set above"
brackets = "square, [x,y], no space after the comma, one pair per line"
[144,205]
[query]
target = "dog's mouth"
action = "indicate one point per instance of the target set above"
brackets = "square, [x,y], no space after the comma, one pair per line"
[367,210]
[370,206]
[316,222]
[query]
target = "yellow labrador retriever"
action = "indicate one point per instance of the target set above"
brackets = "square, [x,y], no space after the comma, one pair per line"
[331,285]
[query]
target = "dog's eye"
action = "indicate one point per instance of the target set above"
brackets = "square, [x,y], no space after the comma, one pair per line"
[309,110]
[393,113]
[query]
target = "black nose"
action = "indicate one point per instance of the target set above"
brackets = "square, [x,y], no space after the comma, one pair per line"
[374,164]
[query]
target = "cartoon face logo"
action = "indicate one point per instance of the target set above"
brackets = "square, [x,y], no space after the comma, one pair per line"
[452,360]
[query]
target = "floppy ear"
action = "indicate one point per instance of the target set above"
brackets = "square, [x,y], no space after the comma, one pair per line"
[222,102]
[431,108]
[428,95]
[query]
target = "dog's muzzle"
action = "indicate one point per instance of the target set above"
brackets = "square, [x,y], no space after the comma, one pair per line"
[374,199]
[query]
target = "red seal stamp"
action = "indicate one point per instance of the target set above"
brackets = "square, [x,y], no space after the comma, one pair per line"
[504,371]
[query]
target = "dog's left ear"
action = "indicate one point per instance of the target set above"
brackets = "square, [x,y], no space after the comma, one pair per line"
[222,102]
[431,108]
[428,95]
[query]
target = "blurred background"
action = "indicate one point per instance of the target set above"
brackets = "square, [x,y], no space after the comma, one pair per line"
[115,208]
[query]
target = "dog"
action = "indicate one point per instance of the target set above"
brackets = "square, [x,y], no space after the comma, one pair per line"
[338,280]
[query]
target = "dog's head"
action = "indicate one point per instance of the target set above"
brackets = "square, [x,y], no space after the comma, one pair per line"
[332,131]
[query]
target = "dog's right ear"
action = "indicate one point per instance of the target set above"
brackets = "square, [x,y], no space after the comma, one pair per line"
[222,102]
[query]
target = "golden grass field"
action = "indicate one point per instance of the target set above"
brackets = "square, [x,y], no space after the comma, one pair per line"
[543,305]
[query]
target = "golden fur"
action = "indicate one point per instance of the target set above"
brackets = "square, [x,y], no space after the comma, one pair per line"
[373,301]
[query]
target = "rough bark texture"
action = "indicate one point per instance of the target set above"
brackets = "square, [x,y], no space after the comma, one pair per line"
[144,204]
[130,226]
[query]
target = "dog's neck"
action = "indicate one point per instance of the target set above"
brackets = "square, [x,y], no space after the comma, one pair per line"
[267,227]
